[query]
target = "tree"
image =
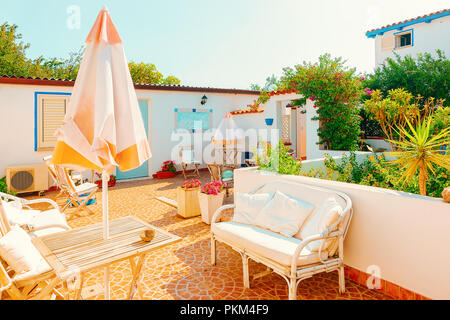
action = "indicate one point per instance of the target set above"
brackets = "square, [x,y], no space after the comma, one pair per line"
[12,51]
[271,84]
[425,75]
[336,92]
[147,73]
[400,106]
[13,62]
[420,150]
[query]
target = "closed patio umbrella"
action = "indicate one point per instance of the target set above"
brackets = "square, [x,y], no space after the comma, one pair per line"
[103,126]
[228,134]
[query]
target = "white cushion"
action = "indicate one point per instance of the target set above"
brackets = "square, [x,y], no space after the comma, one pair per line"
[47,218]
[284,214]
[19,252]
[320,219]
[248,206]
[34,218]
[85,187]
[16,215]
[265,243]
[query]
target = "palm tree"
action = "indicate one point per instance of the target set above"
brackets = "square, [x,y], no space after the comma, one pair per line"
[420,150]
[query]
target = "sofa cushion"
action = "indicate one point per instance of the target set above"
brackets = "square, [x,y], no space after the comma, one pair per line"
[265,243]
[322,218]
[19,252]
[248,206]
[283,214]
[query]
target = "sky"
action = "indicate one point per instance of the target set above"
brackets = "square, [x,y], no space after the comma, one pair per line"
[217,43]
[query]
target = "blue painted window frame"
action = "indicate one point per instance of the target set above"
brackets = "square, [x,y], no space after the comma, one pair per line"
[402,32]
[36,94]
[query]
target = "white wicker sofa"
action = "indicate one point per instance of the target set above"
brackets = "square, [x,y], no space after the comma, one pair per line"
[287,256]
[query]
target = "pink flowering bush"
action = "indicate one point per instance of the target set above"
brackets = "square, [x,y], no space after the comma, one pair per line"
[192,184]
[214,188]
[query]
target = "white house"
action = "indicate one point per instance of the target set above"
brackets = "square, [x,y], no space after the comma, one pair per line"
[426,33]
[32,109]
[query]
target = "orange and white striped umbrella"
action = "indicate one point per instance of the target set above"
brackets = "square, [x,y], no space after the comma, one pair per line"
[103,127]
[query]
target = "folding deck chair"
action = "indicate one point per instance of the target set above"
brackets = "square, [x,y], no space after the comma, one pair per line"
[77,196]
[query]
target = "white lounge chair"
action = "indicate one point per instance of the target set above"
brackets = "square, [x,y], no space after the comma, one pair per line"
[18,211]
[39,282]
[293,258]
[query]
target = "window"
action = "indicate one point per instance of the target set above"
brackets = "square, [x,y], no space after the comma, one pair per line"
[193,119]
[50,111]
[404,39]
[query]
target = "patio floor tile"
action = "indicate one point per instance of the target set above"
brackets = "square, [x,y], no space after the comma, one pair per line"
[182,270]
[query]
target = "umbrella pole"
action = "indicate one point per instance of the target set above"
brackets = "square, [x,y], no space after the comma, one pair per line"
[105,179]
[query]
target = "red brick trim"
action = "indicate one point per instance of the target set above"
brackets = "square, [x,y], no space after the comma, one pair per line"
[388,288]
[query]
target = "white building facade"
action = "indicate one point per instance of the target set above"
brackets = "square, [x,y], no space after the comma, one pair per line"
[426,33]
[32,109]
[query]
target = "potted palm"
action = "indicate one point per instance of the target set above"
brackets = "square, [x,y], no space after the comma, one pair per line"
[187,199]
[211,199]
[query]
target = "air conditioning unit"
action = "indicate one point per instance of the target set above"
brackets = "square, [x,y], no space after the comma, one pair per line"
[28,178]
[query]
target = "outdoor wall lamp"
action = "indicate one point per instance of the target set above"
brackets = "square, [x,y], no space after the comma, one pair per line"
[204,99]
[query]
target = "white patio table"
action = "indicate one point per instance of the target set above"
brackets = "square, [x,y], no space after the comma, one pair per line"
[74,252]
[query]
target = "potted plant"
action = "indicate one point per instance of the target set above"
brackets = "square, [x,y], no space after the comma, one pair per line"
[187,199]
[211,199]
[168,170]
[111,183]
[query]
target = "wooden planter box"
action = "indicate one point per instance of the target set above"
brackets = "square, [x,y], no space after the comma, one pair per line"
[188,204]
[209,204]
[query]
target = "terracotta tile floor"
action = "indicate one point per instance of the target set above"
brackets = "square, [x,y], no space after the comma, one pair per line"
[182,270]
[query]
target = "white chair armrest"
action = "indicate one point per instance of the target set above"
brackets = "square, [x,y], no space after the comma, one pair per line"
[7,196]
[305,242]
[220,211]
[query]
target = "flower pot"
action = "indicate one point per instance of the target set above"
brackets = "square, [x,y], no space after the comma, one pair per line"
[209,204]
[269,121]
[111,183]
[165,174]
[187,200]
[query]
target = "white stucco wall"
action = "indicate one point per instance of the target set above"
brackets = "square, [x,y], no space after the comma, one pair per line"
[17,120]
[428,37]
[404,235]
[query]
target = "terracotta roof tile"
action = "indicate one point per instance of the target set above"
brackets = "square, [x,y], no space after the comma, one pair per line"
[410,20]
[143,86]
[246,111]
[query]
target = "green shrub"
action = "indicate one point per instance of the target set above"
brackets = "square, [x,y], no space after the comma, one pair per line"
[425,75]
[4,187]
[376,171]
[336,91]
[278,159]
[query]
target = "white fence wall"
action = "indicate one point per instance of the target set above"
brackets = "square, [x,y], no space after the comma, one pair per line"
[405,235]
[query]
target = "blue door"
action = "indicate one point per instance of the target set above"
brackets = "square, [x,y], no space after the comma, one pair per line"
[142,171]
